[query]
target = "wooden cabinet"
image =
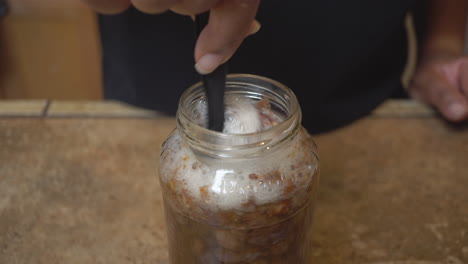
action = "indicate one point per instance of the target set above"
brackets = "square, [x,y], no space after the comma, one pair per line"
[49,49]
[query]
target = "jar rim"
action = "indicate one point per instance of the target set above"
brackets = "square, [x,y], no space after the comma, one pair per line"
[229,145]
[294,101]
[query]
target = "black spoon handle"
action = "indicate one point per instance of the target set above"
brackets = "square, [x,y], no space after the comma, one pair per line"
[214,84]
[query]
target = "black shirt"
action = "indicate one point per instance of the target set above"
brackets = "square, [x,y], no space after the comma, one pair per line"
[341,58]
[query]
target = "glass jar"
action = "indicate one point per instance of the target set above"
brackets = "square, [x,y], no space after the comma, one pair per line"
[239,198]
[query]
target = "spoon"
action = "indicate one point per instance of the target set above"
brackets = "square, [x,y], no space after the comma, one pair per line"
[214,84]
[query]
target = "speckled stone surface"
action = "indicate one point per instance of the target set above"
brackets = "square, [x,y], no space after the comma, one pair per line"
[394,190]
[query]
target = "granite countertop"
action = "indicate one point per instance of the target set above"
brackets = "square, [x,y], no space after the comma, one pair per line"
[79,184]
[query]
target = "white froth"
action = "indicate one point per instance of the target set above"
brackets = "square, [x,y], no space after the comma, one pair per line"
[228,182]
[229,185]
[242,117]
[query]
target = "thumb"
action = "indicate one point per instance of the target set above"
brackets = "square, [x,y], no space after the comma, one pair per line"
[230,22]
[447,98]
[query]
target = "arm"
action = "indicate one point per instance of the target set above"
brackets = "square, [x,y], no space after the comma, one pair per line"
[441,78]
[446,27]
[230,22]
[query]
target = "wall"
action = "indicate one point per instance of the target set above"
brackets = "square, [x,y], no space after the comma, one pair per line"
[49,49]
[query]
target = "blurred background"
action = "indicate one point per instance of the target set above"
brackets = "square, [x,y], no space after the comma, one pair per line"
[49,49]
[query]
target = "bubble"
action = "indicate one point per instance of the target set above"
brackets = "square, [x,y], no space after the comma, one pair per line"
[228,190]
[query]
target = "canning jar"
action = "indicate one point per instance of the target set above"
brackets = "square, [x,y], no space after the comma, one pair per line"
[240,198]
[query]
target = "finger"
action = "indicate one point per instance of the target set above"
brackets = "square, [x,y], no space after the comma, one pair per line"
[190,7]
[254,27]
[229,24]
[446,98]
[108,6]
[153,6]
[214,60]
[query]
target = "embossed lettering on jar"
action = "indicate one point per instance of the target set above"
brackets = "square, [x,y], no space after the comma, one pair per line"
[240,198]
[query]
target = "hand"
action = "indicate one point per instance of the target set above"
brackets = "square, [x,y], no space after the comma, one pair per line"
[441,80]
[231,21]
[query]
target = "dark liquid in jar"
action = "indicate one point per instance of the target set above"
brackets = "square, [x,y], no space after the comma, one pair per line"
[195,242]
[209,223]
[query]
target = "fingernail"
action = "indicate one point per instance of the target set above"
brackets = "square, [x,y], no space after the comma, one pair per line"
[457,111]
[255,27]
[208,63]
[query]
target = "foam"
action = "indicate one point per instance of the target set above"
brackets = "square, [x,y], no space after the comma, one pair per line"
[228,183]
[241,117]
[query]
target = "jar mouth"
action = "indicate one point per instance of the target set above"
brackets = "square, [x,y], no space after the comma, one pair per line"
[253,87]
